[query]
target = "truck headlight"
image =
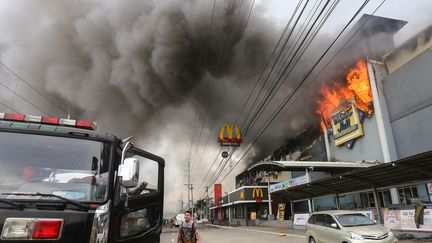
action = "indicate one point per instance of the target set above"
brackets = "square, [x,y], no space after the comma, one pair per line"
[99,232]
[356,236]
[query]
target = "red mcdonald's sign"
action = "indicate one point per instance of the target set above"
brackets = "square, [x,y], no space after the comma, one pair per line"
[218,193]
[218,200]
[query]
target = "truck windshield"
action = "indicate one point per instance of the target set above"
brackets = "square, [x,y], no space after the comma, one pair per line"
[76,169]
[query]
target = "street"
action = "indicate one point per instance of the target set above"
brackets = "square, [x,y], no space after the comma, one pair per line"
[235,235]
[217,234]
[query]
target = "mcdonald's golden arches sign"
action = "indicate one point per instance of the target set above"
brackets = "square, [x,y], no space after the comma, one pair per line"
[227,138]
[257,193]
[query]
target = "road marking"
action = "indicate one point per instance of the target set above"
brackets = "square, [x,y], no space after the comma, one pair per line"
[259,231]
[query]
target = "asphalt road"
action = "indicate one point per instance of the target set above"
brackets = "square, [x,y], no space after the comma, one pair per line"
[212,234]
[235,235]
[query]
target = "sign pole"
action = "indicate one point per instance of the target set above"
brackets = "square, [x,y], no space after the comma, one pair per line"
[270,216]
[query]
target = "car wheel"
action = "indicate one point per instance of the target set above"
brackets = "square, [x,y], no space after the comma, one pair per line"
[312,240]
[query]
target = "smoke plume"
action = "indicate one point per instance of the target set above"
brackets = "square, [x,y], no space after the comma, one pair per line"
[146,68]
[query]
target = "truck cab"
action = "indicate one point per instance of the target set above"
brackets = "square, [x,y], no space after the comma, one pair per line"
[63,181]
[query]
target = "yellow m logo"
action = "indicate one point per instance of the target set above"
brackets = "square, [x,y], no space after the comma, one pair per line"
[257,192]
[229,132]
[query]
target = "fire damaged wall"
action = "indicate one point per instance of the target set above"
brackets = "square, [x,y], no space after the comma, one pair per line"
[366,147]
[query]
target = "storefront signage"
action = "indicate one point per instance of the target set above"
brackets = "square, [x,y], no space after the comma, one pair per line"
[281,211]
[253,216]
[257,193]
[229,139]
[404,220]
[346,124]
[301,219]
[289,183]
[218,193]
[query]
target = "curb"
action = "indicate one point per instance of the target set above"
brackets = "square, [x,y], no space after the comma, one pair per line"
[258,231]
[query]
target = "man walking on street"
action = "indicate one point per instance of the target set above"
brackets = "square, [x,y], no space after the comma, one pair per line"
[188,232]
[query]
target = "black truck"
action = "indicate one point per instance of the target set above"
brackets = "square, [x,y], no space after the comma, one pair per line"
[63,181]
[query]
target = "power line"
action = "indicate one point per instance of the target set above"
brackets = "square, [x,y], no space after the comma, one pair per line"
[296,22]
[308,42]
[304,79]
[220,63]
[29,102]
[277,58]
[10,108]
[298,53]
[288,24]
[32,87]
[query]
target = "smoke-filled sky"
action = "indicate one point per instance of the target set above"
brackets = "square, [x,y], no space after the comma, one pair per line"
[147,68]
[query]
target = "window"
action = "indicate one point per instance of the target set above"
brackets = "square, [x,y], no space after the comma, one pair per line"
[301,207]
[311,219]
[324,203]
[384,198]
[406,194]
[350,201]
[138,222]
[239,212]
[368,200]
[76,169]
[148,177]
[352,220]
[329,220]
[320,219]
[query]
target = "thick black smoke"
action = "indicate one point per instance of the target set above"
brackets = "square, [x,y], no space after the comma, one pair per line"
[142,67]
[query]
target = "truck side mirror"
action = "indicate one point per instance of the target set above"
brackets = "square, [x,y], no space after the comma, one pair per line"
[129,172]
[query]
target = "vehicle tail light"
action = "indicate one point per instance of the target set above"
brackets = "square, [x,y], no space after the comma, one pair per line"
[31,229]
[50,120]
[47,229]
[14,117]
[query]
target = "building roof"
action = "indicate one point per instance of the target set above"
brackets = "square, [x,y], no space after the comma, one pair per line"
[372,25]
[415,168]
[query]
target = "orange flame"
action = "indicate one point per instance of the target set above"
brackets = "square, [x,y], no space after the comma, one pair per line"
[357,87]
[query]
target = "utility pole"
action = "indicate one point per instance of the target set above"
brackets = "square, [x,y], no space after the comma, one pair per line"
[187,174]
[207,204]
[270,215]
[191,202]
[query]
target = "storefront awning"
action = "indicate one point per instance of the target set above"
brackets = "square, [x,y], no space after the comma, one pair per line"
[315,165]
[411,169]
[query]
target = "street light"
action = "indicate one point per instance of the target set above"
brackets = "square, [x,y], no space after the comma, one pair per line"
[270,215]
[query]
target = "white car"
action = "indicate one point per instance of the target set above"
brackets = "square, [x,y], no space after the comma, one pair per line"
[345,227]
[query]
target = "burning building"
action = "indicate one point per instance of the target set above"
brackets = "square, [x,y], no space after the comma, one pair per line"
[376,107]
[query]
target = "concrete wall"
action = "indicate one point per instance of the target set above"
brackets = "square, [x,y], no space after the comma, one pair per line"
[408,91]
[365,148]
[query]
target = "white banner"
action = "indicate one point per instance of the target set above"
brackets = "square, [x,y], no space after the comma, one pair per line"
[301,219]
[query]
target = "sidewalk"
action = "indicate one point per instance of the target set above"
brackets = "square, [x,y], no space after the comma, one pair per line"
[289,232]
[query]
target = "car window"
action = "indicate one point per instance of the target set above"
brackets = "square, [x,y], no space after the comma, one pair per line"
[320,219]
[311,219]
[351,220]
[329,220]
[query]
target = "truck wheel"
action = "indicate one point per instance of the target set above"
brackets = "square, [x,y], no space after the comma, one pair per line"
[312,240]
